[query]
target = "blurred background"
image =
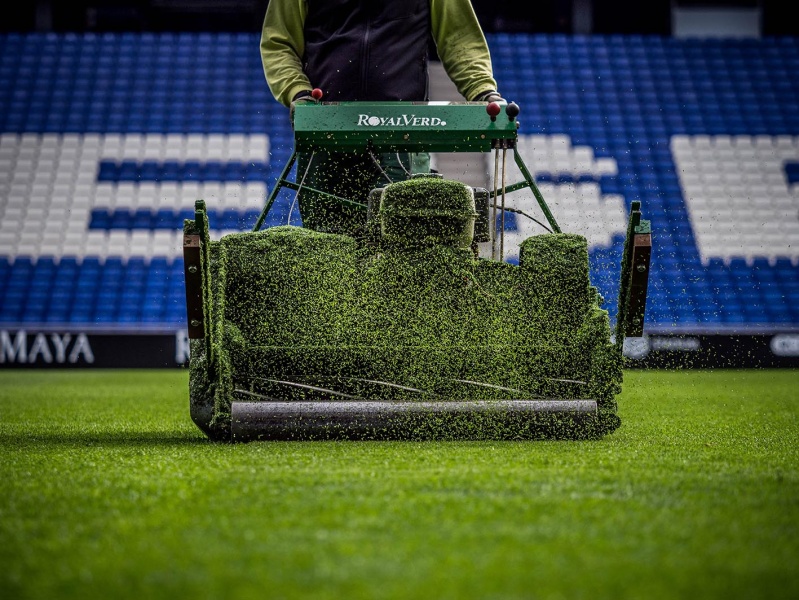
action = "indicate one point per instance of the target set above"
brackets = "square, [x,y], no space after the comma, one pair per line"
[657,17]
[116,116]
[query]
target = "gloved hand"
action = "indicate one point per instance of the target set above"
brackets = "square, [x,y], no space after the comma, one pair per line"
[489,96]
[303,97]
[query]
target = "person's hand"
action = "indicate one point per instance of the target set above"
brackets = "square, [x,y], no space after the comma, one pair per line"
[489,96]
[304,97]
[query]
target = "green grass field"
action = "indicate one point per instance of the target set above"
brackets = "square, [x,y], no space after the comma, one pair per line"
[107,490]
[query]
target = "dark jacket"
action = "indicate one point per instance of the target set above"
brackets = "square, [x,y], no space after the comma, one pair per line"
[368,49]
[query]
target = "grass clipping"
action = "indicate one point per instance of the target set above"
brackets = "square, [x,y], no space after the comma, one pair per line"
[328,311]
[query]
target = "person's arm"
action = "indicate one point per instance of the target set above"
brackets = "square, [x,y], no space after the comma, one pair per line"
[462,47]
[282,47]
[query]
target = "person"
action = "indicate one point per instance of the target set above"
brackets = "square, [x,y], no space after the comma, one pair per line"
[361,50]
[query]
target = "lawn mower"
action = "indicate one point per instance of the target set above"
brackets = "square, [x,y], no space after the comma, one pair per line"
[406,332]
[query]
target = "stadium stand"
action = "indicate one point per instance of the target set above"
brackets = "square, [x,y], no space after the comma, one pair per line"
[106,140]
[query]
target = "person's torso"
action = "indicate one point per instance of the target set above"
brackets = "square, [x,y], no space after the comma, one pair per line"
[368,49]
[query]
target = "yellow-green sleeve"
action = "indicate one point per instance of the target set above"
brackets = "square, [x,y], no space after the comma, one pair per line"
[462,47]
[282,47]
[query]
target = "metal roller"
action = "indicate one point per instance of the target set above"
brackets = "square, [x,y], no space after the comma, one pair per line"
[263,420]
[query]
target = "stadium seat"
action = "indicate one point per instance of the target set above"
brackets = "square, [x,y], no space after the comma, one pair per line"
[98,170]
